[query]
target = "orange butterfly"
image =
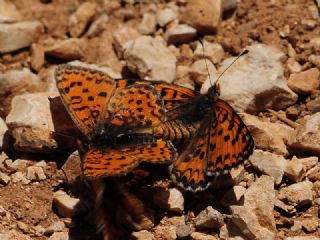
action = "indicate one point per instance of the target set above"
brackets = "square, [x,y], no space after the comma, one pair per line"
[221,142]
[110,112]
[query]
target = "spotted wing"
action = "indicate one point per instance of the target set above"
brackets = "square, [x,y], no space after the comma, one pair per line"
[230,142]
[104,162]
[135,106]
[84,93]
[222,142]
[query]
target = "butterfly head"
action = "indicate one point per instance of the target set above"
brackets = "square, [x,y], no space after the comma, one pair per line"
[214,90]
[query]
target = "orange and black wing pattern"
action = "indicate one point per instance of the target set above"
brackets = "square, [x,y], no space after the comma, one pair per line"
[84,93]
[221,142]
[106,162]
[136,106]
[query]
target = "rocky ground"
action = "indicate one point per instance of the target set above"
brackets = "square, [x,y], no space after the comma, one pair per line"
[275,87]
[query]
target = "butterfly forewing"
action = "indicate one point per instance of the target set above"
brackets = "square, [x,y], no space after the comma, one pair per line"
[230,140]
[104,162]
[85,93]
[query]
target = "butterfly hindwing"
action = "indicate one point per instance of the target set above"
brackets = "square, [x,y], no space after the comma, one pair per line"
[85,93]
[230,140]
[105,162]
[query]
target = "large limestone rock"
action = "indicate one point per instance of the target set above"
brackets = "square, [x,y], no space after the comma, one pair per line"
[255,218]
[151,59]
[18,35]
[256,81]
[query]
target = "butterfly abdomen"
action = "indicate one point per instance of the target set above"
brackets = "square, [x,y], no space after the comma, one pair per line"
[177,131]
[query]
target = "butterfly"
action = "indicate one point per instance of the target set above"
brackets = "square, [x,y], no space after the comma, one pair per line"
[109,114]
[221,142]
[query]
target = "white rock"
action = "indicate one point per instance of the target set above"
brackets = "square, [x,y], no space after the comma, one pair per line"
[199,71]
[209,218]
[42,164]
[165,16]
[295,170]
[255,218]
[303,238]
[171,199]
[307,136]
[183,77]
[30,122]
[203,15]
[58,226]
[122,38]
[148,24]
[97,26]
[19,165]
[202,236]
[4,179]
[66,205]
[293,66]
[298,194]
[256,81]
[142,235]
[8,12]
[212,51]
[59,236]
[69,49]
[18,35]
[267,135]
[17,177]
[18,81]
[151,59]
[81,18]
[35,173]
[180,33]
[314,174]
[308,162]
[3,129]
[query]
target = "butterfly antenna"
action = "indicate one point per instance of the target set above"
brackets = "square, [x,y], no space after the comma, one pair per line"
[205,60]
[244,52]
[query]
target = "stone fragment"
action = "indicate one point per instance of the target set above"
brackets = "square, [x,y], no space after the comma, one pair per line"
[23,227]
[293,66]
[209,218]
[165,232]
[310,225]
[199,71]
[58,226]
[298,194]
[3,130]
[171,199]
[203,15]
[297,226]
[308,162]
[142,235]
[284,207]
[69,49]
[255,82]
[72,168]
[37,57]
[39,230]
[79,20]
[14,235]
[314,173]
[18,177]
[315,43]
[165,16]
[303,238]
[148,24]
[234,196]
[202,236]
[59,236]
[304,82]
[180,33]
[3,212]
[97,26]
[8,12]
[306,136]
[122,38]
[267,135]
[295,170]
[228,5]
[255,218]
[15,36]
[315,60]
[4,179]
[66,206]
[183,231]
[30,123]
[308,24]
[19,165]
[183,77]
[35,173]
[212,51]
[151,59]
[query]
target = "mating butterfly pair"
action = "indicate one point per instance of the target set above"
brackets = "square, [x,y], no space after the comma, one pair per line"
[125,122]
